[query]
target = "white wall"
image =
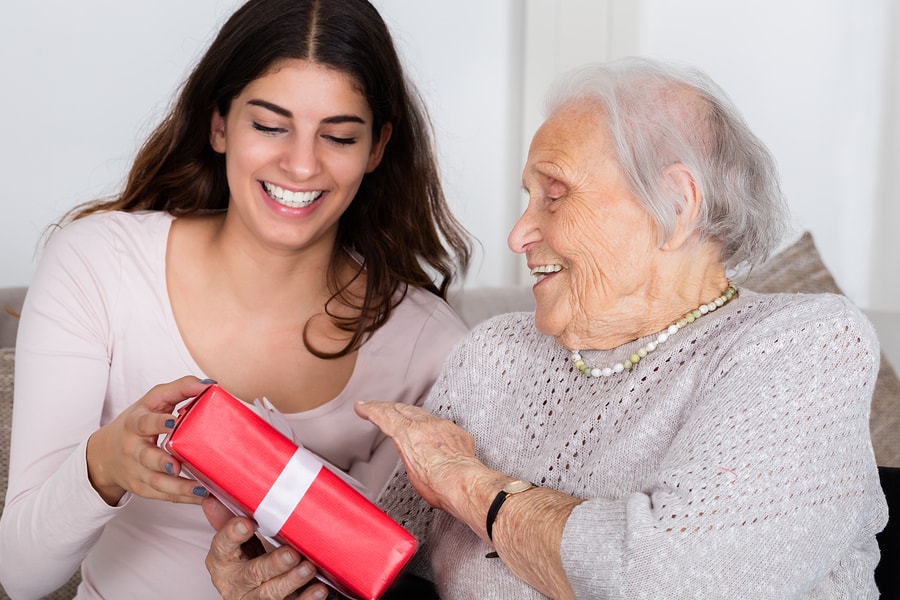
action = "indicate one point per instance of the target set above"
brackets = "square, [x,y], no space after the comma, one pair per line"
[84,82]
[817,79]
[809,77]
[465,58]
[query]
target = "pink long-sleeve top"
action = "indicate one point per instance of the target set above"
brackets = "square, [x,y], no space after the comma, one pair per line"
[97,331]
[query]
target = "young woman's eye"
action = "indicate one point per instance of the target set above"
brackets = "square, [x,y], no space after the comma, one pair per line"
[341,141]
[266,129]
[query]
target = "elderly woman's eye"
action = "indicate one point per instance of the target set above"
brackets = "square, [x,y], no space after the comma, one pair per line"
[555,190]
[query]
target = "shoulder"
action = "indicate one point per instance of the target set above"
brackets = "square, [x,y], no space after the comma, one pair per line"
[421,306]
[421,327]
[804,314]
[100,254]
[803,329]
[99,242]
[422,316]
[106,230]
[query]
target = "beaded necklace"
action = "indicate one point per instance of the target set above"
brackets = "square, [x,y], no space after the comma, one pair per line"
[626,365]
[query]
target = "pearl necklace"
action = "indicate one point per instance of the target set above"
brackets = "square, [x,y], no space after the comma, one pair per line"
[626,365]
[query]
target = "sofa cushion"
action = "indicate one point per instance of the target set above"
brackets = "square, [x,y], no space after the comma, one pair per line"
[11,300]
[474,305]
[6,395]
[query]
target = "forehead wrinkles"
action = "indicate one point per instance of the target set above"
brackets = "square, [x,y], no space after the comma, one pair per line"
[572,144]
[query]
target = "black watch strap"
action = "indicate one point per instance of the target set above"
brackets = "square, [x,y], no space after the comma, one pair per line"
[510,489]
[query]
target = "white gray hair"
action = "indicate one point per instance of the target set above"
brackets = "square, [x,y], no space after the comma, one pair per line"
[659,115]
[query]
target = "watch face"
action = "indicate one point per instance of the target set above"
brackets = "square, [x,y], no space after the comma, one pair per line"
[519,485]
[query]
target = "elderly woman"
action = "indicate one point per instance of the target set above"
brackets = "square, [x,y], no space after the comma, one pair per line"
[652,430]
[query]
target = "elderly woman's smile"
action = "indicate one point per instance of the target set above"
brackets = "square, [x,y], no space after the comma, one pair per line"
[542,271]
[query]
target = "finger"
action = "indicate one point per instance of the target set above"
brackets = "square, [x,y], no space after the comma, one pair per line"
[317,591]
[217,513]
[280,573]
[383,415]
[226,544]
[152,424]
[164,397]
[161,461]
[171,489]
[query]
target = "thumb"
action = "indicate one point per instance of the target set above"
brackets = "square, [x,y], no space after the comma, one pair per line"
[216,513]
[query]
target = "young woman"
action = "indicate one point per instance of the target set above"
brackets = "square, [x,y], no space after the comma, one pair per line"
[283,232]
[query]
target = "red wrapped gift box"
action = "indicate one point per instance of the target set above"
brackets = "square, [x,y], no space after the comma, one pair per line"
[252,467]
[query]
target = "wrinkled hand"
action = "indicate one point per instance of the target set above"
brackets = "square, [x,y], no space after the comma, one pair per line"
[241,569]
[439,456]
[123,455]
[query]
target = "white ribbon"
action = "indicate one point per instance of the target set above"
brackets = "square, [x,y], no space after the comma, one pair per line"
[287,492]
[272,416]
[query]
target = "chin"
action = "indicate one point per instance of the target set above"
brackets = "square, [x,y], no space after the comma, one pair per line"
[544,323]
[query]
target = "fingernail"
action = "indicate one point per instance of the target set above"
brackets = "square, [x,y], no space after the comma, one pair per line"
[169,469]
[208,381]
[290,560]
[199,491]
[169,424]
[241,528]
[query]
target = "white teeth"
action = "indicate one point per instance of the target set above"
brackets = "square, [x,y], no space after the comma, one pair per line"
[544,270]
[289,198]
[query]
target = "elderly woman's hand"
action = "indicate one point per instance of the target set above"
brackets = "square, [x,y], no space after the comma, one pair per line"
[438,455]
[240,567]
[440,462]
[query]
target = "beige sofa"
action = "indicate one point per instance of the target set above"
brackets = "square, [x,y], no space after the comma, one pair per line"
[798,268]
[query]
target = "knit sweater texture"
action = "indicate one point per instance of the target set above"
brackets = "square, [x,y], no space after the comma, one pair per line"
[733,462]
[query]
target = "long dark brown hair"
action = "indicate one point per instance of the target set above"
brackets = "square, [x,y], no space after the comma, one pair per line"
[399,222]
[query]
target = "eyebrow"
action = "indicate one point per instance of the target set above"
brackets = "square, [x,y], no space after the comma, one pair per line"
[278,110]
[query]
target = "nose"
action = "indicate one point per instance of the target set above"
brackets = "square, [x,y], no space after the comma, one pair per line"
[301,157]
[525,232]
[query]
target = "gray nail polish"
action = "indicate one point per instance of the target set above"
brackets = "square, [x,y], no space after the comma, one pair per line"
[169,469]
[208,381]
[169,424]
[199,491]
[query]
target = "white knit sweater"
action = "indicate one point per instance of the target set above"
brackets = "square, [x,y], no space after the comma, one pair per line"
[733,462]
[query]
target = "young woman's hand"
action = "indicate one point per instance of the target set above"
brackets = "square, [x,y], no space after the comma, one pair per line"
[240,567]
[123,455]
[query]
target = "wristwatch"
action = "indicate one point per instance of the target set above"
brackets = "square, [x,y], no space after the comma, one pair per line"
[513,487]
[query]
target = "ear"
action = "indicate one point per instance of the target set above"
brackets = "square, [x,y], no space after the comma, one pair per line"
[680,181]
[378,146]
[217,132]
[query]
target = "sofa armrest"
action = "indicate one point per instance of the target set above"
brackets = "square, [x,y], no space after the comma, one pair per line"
[11,300]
